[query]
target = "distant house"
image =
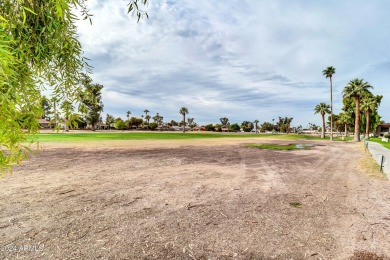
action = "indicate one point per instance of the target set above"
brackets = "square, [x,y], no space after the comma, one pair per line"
[101,126]
[45,123]
[382,129]
[201,128]
[178,128]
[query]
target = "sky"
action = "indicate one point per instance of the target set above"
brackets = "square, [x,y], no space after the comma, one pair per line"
[240,59]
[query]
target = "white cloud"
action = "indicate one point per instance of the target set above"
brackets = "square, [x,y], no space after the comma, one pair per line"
[239,59]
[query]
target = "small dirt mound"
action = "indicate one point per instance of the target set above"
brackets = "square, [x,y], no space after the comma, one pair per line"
[365,255]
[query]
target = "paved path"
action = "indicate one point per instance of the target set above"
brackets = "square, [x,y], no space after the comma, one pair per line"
[376,151]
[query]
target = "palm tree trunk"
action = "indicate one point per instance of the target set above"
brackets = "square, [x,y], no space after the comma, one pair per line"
[367,123]
[55,114]
[356,137]
[184,123]
[346,129]
[323,126]
[66,124]
[331,110]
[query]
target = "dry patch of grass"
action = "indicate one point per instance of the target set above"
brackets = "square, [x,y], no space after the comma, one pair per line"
[368,165]
[296,204]
[279,147]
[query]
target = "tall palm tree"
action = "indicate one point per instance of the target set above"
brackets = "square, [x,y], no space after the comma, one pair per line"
[369,104]
[328,73]
[184,111]
[356,89]
[322,109]
[128,118]
[146,112]
[256,122]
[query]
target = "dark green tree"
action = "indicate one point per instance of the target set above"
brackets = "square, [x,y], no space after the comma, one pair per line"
[209,127]
[91,101]
[235,127]
[153,126]
[247,126]
[266,126]
[46,107]
[136,122]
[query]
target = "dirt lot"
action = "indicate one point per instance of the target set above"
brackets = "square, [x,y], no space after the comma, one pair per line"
[207,199]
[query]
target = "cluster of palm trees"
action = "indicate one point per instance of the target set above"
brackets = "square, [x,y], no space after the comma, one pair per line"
[357,91]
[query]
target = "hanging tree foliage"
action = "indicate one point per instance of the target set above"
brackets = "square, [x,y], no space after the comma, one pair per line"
[38,46]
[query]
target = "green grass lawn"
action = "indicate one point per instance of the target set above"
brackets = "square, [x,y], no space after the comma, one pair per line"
[379,140]
[97,136]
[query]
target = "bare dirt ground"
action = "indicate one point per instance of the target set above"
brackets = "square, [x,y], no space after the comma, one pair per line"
[207,199]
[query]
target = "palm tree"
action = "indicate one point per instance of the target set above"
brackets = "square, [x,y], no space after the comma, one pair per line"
[256,122]
[328,73]
[190,121]
[147,118]
[68,109]
[184,111]
[322,109]
[356,89]
[345,118]
[225,122]
[369,103]
[146,112]
[128,118]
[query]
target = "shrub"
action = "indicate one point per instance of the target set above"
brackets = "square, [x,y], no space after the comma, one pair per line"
[387,136]
[209,127]
[235,127]
[153,126]
[247,126]
[120,125]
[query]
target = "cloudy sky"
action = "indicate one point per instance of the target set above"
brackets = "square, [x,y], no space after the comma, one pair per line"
[241,59]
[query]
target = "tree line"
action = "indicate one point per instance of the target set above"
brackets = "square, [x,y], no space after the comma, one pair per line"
[144,122]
